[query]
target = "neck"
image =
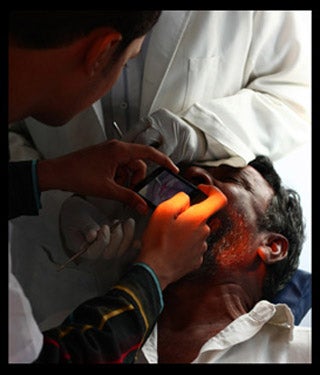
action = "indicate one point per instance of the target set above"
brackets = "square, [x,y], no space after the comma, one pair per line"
[35,77]
[217,304]
[195,311]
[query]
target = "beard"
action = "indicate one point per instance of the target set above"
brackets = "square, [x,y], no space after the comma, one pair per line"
[218,241]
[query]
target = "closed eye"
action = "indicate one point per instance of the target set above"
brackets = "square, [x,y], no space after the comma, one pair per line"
[241,182]
[229,179]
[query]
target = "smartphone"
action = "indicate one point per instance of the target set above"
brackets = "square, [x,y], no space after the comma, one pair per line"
[163,184]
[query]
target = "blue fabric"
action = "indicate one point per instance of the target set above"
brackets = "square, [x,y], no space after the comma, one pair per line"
[297,294]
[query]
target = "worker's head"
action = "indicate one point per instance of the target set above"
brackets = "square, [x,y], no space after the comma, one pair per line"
[54,29]
[80,53]
[260,232]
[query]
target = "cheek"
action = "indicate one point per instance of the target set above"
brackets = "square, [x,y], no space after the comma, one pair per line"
[103,83]
[110,78]
[235,249]
[233,256]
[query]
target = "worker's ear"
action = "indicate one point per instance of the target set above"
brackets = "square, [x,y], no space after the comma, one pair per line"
[274,248]
[103,44]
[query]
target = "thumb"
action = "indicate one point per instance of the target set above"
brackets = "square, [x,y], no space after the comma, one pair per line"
[98,246]
[203,210]
[128,235]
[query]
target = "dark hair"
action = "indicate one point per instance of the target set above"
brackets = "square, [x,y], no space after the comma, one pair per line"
[50,29]
[284,215]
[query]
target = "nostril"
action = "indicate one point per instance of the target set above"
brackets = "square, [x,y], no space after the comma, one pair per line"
[197,175]
[198,180]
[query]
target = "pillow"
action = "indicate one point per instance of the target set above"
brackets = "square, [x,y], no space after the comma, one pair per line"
[297,294]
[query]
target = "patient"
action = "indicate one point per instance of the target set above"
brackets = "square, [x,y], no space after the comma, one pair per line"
[220,313]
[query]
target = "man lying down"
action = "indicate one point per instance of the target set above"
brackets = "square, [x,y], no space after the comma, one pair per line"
[220,313]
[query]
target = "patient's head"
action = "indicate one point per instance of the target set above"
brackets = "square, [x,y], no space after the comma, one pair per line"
[260,231]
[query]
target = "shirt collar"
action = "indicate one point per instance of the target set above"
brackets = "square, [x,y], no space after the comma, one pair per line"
[241,329]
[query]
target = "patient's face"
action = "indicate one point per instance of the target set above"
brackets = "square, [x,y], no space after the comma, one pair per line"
[247,191]
[235,235]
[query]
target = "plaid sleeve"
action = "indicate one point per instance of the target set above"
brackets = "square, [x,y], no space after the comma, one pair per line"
[108,329]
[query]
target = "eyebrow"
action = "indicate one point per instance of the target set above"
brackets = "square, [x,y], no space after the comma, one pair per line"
[241,176]
[247,184]
[244,179]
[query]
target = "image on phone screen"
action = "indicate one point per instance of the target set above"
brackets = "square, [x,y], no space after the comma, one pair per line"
[163,184]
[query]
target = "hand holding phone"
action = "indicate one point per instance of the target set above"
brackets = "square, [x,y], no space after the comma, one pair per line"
[174,241]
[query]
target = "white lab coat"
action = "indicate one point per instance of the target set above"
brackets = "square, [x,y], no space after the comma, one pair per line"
[25,338]
[242,77]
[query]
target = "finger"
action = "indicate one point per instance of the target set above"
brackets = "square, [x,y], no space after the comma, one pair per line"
[138,169]
[122,176]
[202,211]
[204,247]
[209,189]
[128,234]
[115,240]
[146,152]
[172,208]
[74,241]
[96,249]
[91,235]
[89,229]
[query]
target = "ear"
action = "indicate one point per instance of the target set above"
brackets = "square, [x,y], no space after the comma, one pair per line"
[274,248]
[102,44]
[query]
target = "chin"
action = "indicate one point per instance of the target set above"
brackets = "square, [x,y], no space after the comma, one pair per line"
[54,121]
[206,270]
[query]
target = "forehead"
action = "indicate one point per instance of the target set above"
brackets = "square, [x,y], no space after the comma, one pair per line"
[247,172]
[258,183]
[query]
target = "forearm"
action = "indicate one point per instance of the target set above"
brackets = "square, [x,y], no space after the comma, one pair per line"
[108,329]
[48,172]
[264,125]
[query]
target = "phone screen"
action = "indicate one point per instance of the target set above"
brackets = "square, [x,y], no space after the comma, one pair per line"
[162,184]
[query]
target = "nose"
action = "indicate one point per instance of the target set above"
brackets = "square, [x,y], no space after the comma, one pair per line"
[197,175]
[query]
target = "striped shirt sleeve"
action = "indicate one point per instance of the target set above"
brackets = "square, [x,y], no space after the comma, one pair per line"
[108,329]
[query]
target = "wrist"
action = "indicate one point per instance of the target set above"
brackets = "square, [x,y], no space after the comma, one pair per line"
[44,172]
[163,280]
[152,273]
[50,176]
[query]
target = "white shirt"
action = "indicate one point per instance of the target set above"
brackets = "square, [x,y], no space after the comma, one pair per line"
[264,335]
[122,103]
[25,338]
